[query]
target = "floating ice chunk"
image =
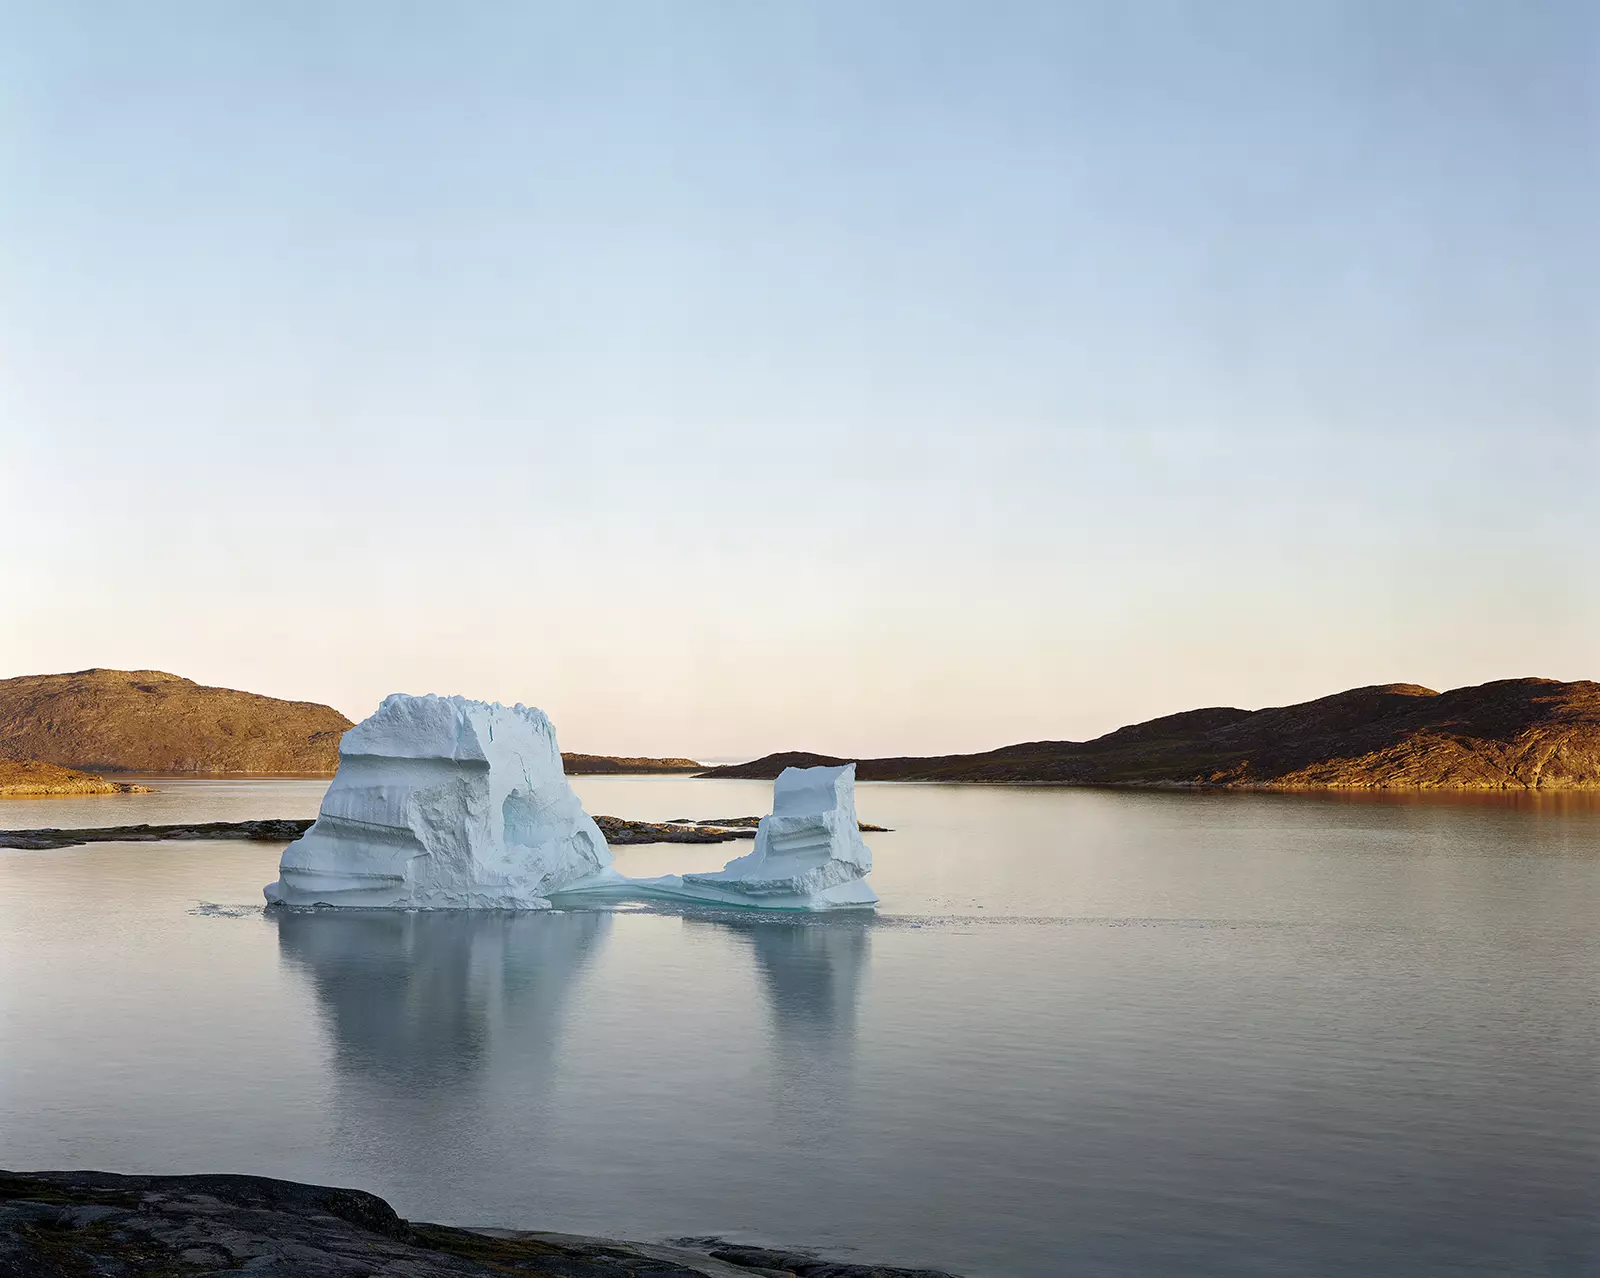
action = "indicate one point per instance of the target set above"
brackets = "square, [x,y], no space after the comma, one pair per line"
[809,855]
[444,803]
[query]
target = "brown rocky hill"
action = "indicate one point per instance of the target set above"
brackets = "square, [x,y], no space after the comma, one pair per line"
[149,721]
[1510,734]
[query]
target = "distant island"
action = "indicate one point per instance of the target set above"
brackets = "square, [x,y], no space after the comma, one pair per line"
[592,764]
[151,721]
[1508,735]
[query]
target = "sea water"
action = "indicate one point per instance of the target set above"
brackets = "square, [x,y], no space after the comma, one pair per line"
[1087,1032]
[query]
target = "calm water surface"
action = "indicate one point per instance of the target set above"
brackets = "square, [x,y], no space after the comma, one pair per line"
[1088,1033]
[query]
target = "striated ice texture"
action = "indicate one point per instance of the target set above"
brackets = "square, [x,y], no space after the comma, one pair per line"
[444,803]
[809,855]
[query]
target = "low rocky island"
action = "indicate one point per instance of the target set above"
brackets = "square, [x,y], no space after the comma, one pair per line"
[268,831]
[577,765]
[689,830]
[866,827]
[85,1222]
[34,778]
[618,832]
[622,833]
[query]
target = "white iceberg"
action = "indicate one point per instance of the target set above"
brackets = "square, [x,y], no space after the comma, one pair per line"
[809,855]
[444,803]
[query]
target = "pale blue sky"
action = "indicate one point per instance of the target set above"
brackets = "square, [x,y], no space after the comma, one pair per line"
[861,376]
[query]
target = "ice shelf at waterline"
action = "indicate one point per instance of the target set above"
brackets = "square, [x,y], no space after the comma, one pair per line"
[809,855]
[444,803]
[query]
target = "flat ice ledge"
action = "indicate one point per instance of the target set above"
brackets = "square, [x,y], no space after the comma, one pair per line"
[444,803]
[809,855]
[693,889]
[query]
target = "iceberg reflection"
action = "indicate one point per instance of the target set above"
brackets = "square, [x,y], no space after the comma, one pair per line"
[438,1020]
[811,974]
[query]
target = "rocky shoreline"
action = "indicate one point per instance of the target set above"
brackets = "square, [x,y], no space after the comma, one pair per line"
[86,1222]
[36,779]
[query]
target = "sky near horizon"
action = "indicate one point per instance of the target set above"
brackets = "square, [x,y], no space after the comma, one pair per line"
[860,377]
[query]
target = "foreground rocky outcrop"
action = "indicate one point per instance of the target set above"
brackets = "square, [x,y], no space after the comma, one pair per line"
[150,721]
[32,778]
[1509,735]
[82,1223]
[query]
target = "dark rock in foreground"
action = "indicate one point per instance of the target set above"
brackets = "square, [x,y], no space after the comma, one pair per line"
[72,1223]
[1514,734]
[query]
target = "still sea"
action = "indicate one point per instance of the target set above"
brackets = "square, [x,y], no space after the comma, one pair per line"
[1088,1032]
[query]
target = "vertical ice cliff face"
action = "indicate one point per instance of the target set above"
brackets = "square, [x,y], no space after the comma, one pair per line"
[444,803]
[808,855]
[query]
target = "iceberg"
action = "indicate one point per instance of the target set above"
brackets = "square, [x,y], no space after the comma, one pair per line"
[444,803]
[809,855]
[448,803]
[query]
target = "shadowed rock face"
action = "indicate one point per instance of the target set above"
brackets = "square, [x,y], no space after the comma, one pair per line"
[1511,734]
[149,721]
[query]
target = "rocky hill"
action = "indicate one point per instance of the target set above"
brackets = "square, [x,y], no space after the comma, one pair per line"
[1510,734]
[148,721]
